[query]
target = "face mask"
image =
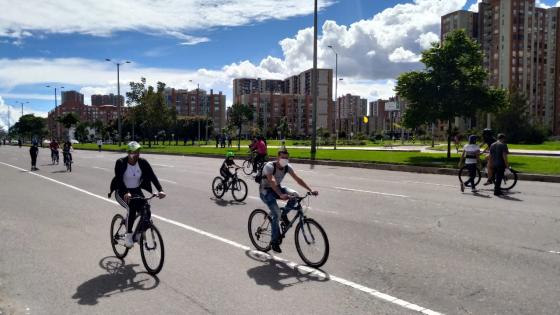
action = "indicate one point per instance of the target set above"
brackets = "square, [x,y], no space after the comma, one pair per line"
[283,162]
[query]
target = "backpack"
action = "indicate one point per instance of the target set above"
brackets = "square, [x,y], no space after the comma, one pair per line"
[259,176]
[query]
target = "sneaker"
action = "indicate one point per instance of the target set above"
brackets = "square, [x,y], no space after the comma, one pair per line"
[276,247]
[462,187]
[128,242]
[474,190]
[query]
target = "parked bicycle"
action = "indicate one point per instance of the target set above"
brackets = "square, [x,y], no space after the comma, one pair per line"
[509,181]
[146,234]
[237,186]
[311,240]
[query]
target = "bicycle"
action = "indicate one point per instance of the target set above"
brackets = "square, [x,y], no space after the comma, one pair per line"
[248,163]
[219,187]
[54,156]
[508,182]
[67,161]
[308,233]
[146,233]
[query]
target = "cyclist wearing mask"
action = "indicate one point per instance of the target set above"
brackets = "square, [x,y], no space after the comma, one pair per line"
[270,190]
[132,174]
[471,157]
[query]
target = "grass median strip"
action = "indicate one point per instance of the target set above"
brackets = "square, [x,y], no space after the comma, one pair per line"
[525,164]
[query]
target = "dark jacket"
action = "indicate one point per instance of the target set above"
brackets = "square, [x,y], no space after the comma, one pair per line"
[148,176]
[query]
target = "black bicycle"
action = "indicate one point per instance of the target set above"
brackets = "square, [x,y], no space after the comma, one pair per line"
[237,186]
[508,182]
[311,240]
[146,233]
[54,156]
[248,163]
[67,161]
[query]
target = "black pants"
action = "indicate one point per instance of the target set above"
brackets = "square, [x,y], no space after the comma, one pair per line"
[499,177]
[33,160]
[133,207]
[259,160]
[472,174]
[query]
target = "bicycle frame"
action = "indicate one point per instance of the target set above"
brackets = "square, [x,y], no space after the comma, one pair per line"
[299,216]
[145,220]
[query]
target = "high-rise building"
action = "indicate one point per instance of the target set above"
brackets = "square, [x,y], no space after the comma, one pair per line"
[72,96]
[352,109]
[521,49]
[110,99]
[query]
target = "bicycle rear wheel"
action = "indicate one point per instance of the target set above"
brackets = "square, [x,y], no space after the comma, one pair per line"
[247,167]
[218,187]
[239,190]
[152,250]
[464,176]
[312,243]
[509,181]
[118,231]
[260,229]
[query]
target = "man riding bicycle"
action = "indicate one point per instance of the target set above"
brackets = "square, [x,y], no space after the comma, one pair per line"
[54,150]
[132,174]
[270,190]
[66,148]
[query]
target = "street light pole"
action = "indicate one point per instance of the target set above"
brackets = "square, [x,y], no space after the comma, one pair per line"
[57,124]
[21,103]
[315,78]
[119,119]
[335,92]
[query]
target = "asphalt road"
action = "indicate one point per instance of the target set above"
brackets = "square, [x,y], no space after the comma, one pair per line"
[401,243]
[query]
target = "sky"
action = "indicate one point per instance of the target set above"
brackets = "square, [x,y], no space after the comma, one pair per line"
[64,43]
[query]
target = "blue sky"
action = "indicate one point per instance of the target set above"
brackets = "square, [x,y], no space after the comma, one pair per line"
[208,42]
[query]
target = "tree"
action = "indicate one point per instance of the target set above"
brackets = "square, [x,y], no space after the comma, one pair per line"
[81,131]
[30,126]
[512,119]
[240,114]
[453,84]
[69,120]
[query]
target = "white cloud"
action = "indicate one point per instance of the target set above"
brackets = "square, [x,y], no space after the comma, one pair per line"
[425,40]
[541,4]
[103,17]
[14,113]
[188,39]
[474,6]
[402,55]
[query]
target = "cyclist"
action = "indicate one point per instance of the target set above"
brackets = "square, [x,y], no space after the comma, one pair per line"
[66,148]
[228,163]
[488,138]
[260,147]
[499,155]
[132,174]
[270,190]
[54,149]
[471,157]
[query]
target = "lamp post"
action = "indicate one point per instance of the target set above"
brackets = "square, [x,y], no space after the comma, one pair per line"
[119,95]
[56,109]
[197,104]
[21,103]
[335,90]
[314,93]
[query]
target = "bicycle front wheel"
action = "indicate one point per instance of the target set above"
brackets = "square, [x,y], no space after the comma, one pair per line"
[509,181]
[312,243]
[260,229]
[218,187]
[247,167]
[239,190]
[118,231]
[464,176]
[152,250]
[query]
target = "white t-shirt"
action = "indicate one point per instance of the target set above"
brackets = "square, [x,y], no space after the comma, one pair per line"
[99,142]
[268,169]
[470,153]
[132,176]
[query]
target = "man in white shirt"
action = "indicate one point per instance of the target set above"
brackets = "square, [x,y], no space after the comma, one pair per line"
[471,157]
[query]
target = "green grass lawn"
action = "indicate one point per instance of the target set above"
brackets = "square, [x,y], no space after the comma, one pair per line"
[526,164]
[546,146]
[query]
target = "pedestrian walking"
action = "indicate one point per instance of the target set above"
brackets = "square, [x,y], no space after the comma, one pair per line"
[99,144]
[471,157]
[499,155]
[34,151]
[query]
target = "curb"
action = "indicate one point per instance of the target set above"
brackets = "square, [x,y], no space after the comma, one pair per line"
[372,165]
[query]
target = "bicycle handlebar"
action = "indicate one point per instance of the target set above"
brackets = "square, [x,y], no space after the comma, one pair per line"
[144,198]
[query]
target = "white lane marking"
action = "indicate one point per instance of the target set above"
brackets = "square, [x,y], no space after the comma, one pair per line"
[553,252]
[371,192]
[424,183]
[167,181]
[101,168]
[293,265]
[164,165]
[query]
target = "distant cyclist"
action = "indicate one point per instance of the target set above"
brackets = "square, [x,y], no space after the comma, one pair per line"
[262,151]
[471,157]
[270,190]
[66,151]
[54,150]
[132,174]
[228,163]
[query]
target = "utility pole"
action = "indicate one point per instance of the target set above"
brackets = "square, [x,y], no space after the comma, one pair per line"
[119,119]
[315,77]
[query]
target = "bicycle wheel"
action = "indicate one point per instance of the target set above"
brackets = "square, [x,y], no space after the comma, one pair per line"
[509,180]
[464,176]
[218,187]
[247,167]
[118,230]
[239,190]
[152,250]
[312,243]
[260,229]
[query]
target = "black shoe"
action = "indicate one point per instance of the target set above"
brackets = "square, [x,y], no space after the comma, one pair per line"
[498,193]
[276,247]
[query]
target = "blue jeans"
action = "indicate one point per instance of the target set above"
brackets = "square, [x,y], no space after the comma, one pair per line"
[269,198]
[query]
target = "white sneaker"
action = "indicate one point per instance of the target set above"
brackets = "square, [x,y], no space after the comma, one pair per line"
[128,242]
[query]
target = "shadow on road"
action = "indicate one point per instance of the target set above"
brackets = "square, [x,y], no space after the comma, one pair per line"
[60,171]
[225,203]
[278,275]
[119,278]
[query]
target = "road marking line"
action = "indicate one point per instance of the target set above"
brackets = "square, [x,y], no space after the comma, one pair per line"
[371,192]
[164,165]
[293,265]
[434,184]
[553,252]
[167,181]
[101,168]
